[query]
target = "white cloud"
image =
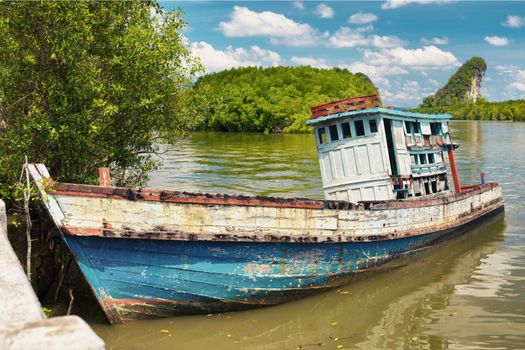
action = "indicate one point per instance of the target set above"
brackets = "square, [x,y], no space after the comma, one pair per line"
[392,4]
[514,21]
[406,93]
[298,5]
[309,61]
[217,60]
[497,40]
[434,82]
[324,11]
[427,57]
[386,41]
[348,37]
[364,29]
[375,72]
[506,68]
[435,41]
[362,18]
[308,39]
[281,30]
[519,84]
[244,22]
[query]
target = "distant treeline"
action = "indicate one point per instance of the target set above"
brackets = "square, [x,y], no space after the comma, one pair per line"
[508,110]
[276,99]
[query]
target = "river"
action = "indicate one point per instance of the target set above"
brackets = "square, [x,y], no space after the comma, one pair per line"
[468,293]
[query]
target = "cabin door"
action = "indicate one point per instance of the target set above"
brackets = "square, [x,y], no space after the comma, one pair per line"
[397,150]
[402,154]
[391,149]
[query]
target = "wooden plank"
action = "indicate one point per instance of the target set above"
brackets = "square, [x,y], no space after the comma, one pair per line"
[104,177]
[42,180]
[348,104]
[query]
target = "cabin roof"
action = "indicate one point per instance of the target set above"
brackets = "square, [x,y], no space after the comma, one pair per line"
[377,110]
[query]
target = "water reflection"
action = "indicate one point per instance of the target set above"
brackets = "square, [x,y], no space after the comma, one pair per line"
[378,312]
[277,165]
[466,294]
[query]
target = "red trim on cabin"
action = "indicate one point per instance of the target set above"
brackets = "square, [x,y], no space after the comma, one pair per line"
[345,105]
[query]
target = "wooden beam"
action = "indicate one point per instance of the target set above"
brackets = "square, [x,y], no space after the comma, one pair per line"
[104,177]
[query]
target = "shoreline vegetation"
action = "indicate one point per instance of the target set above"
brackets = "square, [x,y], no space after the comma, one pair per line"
[90,84]
[512,110]
[275,99]
[461,98]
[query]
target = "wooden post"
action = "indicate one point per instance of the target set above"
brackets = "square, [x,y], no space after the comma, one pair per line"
[454,169]
[104,178]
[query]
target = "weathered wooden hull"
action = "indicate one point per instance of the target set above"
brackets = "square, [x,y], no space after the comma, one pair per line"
[137,278]
[150,253]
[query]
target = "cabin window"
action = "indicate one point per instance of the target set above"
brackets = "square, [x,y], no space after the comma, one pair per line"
[345,128]
[373,125]
[334,136]
[434,186]
[415,159]
[321,133]
[417,128]
[422,159]
[359,128]
[431,158]
[427,188]
[435,128]
[408,126]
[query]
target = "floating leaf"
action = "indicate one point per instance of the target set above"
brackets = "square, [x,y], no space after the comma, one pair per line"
[333,323]
[165,331]
[414,338]
[339,346]
[343,291]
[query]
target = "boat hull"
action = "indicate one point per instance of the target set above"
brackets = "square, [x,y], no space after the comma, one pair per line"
[150,253]
[139,279]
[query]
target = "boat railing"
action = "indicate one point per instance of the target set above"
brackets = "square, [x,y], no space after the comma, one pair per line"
[345,105]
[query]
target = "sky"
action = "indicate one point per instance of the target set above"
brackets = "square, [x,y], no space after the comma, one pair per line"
[409,48]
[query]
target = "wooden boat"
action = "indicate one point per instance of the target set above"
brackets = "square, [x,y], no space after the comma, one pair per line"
[150,253]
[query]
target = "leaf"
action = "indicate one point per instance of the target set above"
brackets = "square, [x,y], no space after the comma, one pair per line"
[333,323]
[165,331]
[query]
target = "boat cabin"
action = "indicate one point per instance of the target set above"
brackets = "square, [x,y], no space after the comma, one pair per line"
[368,153]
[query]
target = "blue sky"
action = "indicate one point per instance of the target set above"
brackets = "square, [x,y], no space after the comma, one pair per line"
[408,48]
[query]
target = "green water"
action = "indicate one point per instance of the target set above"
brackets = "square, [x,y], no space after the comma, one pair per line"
[468,293]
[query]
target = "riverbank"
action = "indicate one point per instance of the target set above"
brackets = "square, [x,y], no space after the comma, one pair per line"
[512,110]
[23,324]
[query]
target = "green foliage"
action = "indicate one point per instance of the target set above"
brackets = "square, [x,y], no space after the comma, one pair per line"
[276,99]
[482,110]
[88,84]
[455,91]
[47,311]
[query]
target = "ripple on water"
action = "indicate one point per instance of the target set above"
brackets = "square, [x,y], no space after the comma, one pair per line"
[466,294]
